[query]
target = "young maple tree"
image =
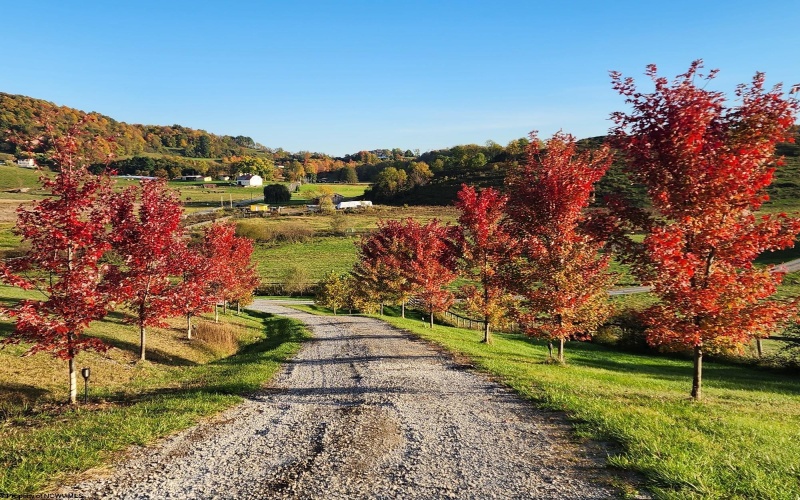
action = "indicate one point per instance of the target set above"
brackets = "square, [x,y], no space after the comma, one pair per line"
[705,167]
[233,275]
[244,275]
[383,265]
[560,272]
[147,238]
[195,272]
[433,262]
[333,291]
[68,234]
[486,246]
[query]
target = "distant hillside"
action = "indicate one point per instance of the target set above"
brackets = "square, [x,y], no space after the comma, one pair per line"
[487,166]
[22,116]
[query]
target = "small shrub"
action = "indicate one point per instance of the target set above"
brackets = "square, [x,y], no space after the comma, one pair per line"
[339,224]
[296,280]
[292,232]
[255,230]
[221,337]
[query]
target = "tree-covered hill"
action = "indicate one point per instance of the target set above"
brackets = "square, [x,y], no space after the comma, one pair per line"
[487,166]
[21,118]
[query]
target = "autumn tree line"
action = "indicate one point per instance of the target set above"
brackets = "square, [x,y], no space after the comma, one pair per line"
[91,250]
[538,254]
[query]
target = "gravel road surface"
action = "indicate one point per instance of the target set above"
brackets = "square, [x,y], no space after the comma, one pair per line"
[366,411]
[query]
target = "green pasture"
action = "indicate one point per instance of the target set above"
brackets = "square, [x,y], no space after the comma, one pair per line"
[316,257]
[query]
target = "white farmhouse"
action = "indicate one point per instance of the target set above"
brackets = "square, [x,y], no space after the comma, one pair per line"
[26,163]
[249,180]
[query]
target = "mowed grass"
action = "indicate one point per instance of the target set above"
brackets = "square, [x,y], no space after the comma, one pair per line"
[321,254]
[316,257]
[741,441]
[43,442]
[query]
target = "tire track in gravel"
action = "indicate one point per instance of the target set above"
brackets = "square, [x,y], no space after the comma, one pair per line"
[366,411]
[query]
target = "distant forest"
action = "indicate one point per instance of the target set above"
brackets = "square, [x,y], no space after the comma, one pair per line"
[398,176]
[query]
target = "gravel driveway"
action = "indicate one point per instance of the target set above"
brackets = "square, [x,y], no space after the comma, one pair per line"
[366,411]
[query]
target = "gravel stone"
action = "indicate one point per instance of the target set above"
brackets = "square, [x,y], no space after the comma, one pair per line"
[366,411]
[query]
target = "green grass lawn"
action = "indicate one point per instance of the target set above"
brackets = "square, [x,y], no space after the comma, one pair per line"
[317,257]
[13,177]
[741,441]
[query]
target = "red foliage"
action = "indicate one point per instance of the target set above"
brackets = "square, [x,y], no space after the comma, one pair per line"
[486,246]
[560,273]
[384,262]
[68,235]
[705,167]
[232,276]
[433,263]
[148,239]
[405,258]
[196,271]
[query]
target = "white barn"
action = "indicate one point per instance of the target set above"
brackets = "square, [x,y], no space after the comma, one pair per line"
[249,180]
[343,205]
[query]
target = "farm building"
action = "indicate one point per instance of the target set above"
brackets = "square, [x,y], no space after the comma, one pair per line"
[195,178]
[249,180]
[136,177]
[26,163]
[344,205]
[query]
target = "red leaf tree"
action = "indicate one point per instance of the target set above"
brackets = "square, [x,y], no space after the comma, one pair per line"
[705,167]
[433,263]
[404,259]
[560,272]
[486,247]
[147,238]
[245,277]
[193,294]
[382,269]
[232,275]
[68,235]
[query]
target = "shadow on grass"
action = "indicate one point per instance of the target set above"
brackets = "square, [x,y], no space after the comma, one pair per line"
[672,368]
[153,355]
[19,394]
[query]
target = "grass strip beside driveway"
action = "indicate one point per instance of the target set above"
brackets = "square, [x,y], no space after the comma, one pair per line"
[40,454]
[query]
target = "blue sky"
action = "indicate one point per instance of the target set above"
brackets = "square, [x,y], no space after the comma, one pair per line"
[339,77]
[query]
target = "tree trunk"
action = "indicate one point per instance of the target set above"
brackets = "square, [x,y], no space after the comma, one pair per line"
[550,349]
[758,347]
[216,312]
[73,382]
[334,310]
[431,317]
[224,307]
[561,350]
[487,339]
[238,308]
[142,338]
[381,308]
[403,309]
[189,326]
[697,386]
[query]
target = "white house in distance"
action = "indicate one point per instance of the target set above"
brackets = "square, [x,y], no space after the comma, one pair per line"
[26,163]
[249,180]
